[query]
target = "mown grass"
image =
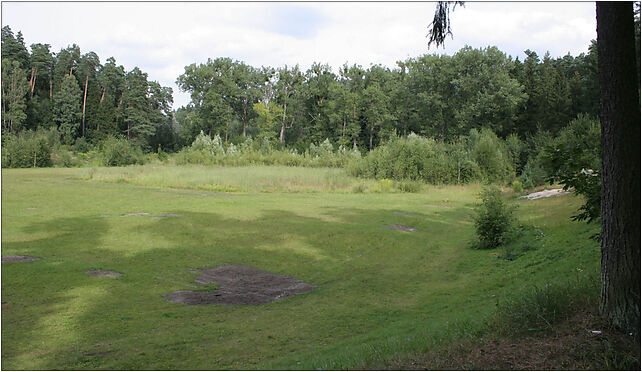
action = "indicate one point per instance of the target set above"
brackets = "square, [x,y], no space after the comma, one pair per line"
[379,292]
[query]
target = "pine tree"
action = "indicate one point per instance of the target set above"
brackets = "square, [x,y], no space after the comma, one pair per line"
[67,111]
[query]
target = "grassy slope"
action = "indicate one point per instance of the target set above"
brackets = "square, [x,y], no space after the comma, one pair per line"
[380,292]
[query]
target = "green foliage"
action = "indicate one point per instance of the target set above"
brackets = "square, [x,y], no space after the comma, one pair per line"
[418,159]
[491,155]
[408,186]
[14,89]
[62,157]
[493,219]
[574,160]
[67,109]
[208,151]
[28,149]
[518,187]
[117,151]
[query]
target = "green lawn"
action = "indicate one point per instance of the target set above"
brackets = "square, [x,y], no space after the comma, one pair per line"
[379,292]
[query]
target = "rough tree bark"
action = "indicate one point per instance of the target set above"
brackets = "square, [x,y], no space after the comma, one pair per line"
[620,119]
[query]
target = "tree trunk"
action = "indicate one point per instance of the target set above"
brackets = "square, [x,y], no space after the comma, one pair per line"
[620,119]
[33,80]
[50,87]
[102,96]
[84,101]
[282,134]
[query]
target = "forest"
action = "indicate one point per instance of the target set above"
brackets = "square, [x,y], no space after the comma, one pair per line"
[68,103]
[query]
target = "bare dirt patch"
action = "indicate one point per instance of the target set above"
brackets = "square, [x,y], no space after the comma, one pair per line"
[408,214]
[240,285]
[19,259]
[103,273]
[399,228]
[170,215]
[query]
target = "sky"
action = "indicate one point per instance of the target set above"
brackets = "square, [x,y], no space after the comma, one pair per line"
[161,38]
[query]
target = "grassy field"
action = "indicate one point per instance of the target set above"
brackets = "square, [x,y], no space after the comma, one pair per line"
[379,292]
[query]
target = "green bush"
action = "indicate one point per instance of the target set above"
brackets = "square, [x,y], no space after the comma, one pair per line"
[117,151]
[493,219]
[518,187]
[493,157]
[63,158]
[409,186]
[28,149]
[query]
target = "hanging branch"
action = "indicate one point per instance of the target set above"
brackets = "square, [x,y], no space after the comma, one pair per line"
[440,26]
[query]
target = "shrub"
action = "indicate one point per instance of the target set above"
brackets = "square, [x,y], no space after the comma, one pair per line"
[61,157]
[517,186]
[27,149]
[409,186]
[492,157]
[493,219]
[118,151]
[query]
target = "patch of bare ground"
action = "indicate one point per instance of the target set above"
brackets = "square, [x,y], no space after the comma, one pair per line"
[19,259]
[570,345]
[103,273]
[240,285]
[407,214]
[435,206]
[399,228]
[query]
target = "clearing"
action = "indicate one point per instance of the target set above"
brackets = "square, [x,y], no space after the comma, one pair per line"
[375,292]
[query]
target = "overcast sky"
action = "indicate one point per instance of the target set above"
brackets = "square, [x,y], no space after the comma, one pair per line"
[163,38]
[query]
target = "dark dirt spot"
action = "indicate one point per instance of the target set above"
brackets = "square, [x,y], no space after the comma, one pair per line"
[408,214]
[240,285]
[98,353]
[436,206]
[19,259]
[399,227]
[136,214]
[103,273]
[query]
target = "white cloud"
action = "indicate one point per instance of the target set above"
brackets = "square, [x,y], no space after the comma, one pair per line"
[162,38]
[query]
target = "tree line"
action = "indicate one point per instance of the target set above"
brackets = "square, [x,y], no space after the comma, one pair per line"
[442,97]
[78,96]
[437,96]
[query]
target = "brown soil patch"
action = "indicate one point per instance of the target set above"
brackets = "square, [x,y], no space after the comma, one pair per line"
[19,259]
[399,228]
[103,273]
[408,214]
[571,345]
[240,285]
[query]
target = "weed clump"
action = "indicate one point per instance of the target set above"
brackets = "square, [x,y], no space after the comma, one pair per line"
[540,308]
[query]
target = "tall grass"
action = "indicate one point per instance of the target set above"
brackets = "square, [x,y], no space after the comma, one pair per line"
[541,307]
